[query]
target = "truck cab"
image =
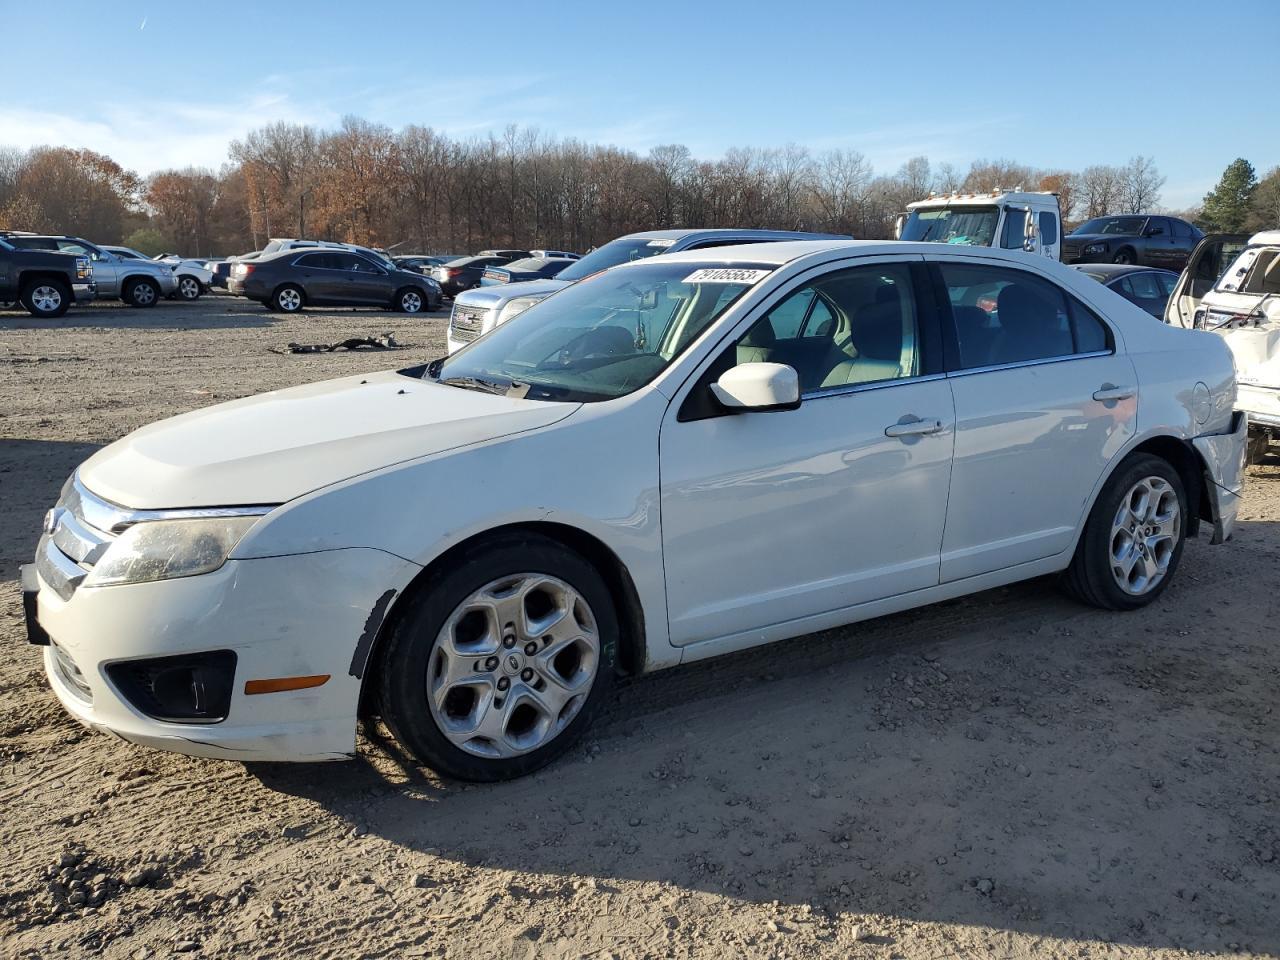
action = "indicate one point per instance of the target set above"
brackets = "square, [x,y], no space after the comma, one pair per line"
[1009,219]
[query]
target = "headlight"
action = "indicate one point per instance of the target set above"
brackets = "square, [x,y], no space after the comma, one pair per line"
[1095,248]
[166,549]
[516,307]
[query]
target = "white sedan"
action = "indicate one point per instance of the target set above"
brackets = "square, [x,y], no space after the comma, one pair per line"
[674,459]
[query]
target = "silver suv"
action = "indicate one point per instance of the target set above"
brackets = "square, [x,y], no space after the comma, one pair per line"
[480,309]
[139,283]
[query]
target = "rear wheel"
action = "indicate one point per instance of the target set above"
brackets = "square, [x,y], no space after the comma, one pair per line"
[1133,539]
[496,666]
[140,292]
[46,298]
[288,299]
[189,288]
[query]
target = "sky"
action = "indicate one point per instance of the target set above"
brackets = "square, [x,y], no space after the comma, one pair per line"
[160,85]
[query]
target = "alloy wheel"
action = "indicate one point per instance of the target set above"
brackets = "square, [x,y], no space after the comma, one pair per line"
[46,299]
[1144,535]
[289,300]
[513,665]
[144,294]
[410,302]
[188,288]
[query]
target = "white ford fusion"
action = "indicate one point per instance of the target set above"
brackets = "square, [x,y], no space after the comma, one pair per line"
[677,458]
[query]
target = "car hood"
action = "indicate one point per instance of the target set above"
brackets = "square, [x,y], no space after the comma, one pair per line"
[498,294]
[277,446]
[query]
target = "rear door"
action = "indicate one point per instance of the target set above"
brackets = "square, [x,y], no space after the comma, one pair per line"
[1211,256]
[1043,402]
[319,275]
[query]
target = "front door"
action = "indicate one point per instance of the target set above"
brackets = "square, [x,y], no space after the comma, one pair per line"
[1043,403]
[1211,256]
[772,517]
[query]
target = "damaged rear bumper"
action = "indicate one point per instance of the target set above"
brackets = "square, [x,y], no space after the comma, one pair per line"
[1223,457]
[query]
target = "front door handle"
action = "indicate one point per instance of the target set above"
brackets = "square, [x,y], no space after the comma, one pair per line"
[1109,392]
[913,427]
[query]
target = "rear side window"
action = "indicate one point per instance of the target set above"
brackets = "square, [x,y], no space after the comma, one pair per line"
[1004,316]
[1048,228]
[316,261]
[1181,230]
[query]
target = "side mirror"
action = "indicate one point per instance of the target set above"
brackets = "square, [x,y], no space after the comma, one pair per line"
[758,386]
[899,222]
[1030,232]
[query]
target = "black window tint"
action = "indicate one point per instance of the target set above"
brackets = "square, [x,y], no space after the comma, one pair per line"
[1048,228]
[848,327]
[316,261]
[1158,226]
[1181,230]
[1011,316]
[363,265]
[1011,235]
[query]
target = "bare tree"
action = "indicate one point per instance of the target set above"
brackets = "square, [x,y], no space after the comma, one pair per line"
[1140,184]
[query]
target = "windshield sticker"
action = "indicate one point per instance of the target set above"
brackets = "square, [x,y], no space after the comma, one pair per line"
[660,243]
[726,275]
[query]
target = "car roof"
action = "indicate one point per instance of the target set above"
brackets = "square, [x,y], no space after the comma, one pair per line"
[680,234]
[1110,270]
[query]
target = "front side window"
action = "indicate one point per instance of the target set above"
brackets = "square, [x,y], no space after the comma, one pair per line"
[1015,225]
[849,327]
[1141,288]
[603,337]
[966,226]
[614,253]
[1181,229]
[1006,316]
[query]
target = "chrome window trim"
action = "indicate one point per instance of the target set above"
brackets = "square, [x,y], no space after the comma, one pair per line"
[1029,363]
[872,385]
[113,518]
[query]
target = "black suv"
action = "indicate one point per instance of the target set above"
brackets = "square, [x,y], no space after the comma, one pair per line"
[1149,241]
[46,282]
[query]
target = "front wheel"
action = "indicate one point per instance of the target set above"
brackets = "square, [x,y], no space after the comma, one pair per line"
[410,301]
[141,293]
[189,288]
[496,667]
[47,299]
[1124,256]
[1133,539]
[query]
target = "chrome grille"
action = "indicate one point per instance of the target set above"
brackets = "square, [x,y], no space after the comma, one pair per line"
[467,323]
[71,674]
[78,532]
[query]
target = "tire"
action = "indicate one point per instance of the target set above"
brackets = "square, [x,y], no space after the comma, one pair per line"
[141,292]
[188,288]
[1124,255]
[495,713]
[1140,495]
[410,300]
[288,299]
[46,299]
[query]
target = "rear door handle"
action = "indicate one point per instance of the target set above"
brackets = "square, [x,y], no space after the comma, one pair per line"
[1109,392]
[913,427]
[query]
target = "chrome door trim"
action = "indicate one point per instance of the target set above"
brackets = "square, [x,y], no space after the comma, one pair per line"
[1030,363]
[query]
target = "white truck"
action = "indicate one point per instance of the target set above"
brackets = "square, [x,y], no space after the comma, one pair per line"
[1009,219]
[1231,286]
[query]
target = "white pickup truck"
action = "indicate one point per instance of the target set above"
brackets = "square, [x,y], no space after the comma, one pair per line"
[1231,286]
[1009,219]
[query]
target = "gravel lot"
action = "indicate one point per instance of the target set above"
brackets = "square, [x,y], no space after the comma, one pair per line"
[1010,775]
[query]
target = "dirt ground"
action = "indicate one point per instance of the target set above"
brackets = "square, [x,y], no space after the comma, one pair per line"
[1009,775]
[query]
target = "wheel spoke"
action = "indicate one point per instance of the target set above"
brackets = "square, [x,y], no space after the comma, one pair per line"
[1144,535]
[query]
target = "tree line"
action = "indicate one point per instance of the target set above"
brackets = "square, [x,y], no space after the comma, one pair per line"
[417,189]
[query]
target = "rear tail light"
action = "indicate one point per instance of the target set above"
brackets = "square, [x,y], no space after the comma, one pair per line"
[242,269]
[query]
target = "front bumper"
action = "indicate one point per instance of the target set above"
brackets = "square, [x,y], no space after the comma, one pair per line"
[84,291]
[1223,455]
[304,615]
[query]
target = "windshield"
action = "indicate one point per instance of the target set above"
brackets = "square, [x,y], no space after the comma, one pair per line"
[614,253]
[968,226]
[603,337]
[271,247]
[1255,271]
[1113,226]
